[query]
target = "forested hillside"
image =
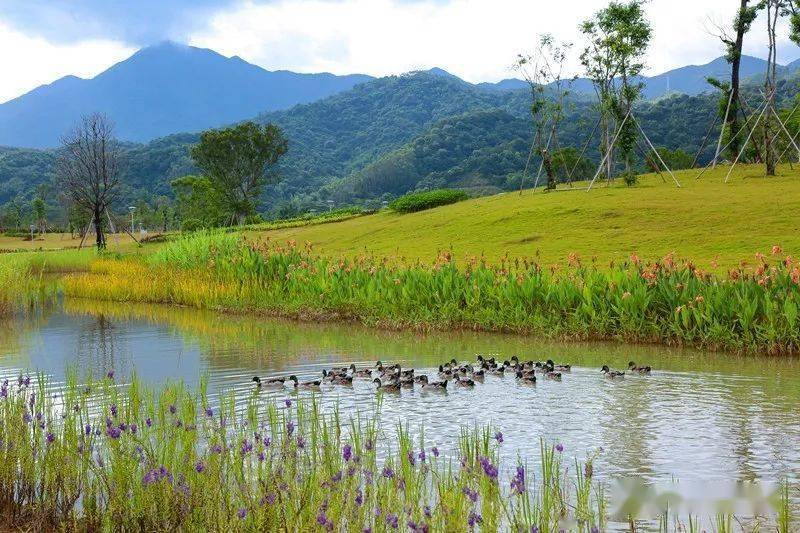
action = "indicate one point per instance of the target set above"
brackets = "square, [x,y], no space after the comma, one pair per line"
[388,136]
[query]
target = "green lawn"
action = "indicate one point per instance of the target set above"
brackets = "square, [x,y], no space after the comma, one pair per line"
[705,220]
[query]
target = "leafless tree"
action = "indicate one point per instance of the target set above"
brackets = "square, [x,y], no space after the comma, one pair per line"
[88,168]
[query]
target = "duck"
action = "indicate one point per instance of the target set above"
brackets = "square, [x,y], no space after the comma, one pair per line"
[477,373]
[497,371]
[526,379]
[390,386]
[313,384]
[465,382]
[445,373]
[390,372]
[556,376]
[406,373]
[611,374]
[406,382]
[337,379]
[560,368]
[360,372]
[638,369]
[269,382]
[433,386]
[422,378]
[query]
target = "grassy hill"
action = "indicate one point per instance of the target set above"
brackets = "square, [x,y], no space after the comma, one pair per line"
[706,221]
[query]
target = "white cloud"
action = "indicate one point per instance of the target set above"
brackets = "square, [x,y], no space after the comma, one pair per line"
[475,39]
[27,62]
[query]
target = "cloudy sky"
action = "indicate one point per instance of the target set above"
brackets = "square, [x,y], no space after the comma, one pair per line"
[42,40]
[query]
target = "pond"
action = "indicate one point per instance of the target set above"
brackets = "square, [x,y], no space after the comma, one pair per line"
[700,416]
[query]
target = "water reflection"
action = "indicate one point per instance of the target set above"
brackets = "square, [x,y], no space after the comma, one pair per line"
[699,416]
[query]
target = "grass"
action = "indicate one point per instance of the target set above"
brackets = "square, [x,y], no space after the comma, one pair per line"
[749,310]
[706,220]
[100,456]
[62,241]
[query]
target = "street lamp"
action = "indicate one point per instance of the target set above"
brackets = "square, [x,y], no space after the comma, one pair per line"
[131,209]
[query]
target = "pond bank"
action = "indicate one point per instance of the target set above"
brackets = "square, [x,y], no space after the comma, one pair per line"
[671,302]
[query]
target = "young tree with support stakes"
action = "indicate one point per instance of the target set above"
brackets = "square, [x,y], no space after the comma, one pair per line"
[544,72]
[88,169]
[618,37]
[730,103]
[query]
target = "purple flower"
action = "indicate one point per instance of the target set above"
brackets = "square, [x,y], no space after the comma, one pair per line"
[471,494]
[337,477]
[50,437]
[595,529]
[123,426]
[498,437]
[488,468]
[387,472]
[421,455]
[287,402]
[534,529]
[209,412]
[113,432]
[110,374]
[322,518]
[392,520]
[474,518]
[347,452]
[113,409]
[290,427]
[199,467]
[271,497]
[134,428]
[369,445]
[217,449]
[426,511]
[173,410]
[267,442]
[26,380]
[242,513]
[247,447]
[518,482]
[26,417]
[148,422]
[435,451]
[359,497]
[559,447]
[411,459]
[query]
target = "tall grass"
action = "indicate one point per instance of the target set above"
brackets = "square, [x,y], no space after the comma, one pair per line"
[105,457]
[751,309]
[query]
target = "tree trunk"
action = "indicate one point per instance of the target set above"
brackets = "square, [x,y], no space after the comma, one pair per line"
[548,168]
[98,228]
[732,120]
[769,89]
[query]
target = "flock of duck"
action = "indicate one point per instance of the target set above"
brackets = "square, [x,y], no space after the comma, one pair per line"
[393,378]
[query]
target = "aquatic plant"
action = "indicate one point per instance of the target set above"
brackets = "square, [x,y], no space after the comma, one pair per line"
[105,456]
[667,301]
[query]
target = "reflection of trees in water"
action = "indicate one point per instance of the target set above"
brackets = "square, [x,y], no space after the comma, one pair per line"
[97,343]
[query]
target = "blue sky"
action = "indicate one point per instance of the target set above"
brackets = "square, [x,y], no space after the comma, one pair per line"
[475,39]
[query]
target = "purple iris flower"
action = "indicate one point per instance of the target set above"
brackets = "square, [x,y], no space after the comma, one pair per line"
[209,412]
[347,452]
[435,451]
[498,437]
[50,437]
[359,497]
[148,422]
[242,513]
[518,482]
[287,402]
[559,447]
[471,494]
[392,520]
[290,427]
[113,432]
[473,519]
[387,472]
[114,409]
[411,458]
[172,409]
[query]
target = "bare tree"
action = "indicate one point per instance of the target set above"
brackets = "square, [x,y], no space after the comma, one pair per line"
[88,168]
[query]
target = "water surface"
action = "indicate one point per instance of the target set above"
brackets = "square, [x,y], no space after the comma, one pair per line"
[700,416]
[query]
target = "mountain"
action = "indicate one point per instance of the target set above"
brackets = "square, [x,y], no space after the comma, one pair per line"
[160,90]
[689,80]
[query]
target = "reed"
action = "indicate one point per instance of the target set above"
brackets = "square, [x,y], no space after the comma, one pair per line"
[752,309]
[105,456]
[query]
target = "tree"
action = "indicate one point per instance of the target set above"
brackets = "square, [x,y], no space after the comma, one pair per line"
[88,169]
[238,161]
[198,204]
[39,210]
[733,53]
[544,72]
[618,37]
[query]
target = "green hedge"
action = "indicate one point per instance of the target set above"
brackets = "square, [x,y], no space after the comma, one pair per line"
[419,201]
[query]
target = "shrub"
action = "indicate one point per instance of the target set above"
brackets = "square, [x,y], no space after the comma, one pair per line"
[419,201]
